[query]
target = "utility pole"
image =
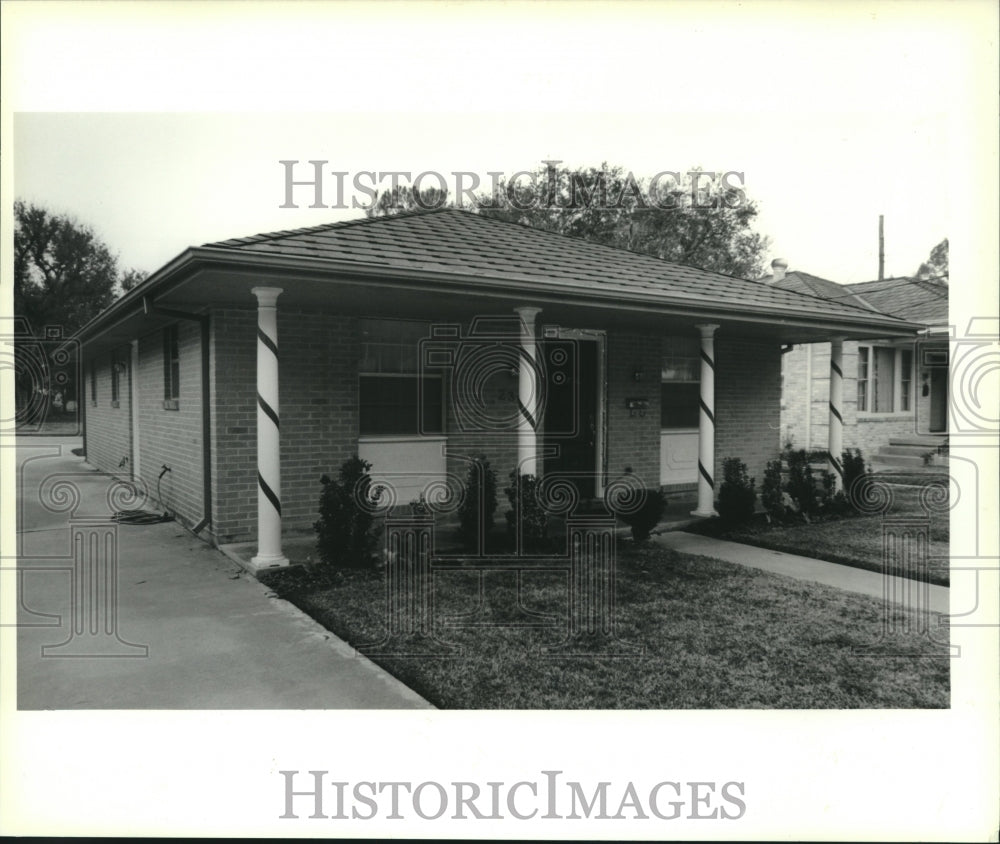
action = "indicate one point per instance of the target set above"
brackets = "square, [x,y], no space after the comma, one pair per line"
[881,246]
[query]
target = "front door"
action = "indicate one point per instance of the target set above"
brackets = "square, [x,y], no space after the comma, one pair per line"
[939,400]
[571,422]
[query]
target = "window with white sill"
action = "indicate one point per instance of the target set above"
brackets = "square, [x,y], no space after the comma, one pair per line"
[885,380]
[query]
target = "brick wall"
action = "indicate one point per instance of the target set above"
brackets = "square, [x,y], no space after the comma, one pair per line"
[319,411]
[172,438]
[747,403]
[109,429]
[633,441]
[318,408]
[806,422]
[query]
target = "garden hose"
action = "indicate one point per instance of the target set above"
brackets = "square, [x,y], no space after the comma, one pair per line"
[144,517]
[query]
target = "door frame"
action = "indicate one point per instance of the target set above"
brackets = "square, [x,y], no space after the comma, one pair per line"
[600,337]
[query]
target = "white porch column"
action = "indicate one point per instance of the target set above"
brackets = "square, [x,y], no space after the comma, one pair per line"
[706,425]
[527,394]
[836,434]
[268,440]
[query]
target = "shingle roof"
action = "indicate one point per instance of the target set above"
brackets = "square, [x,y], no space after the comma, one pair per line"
[917,300]
[465,243]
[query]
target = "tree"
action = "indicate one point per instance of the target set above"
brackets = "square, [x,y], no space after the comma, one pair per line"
[403,198]
[63,273]
[132,278]
[936,265]
[697,218]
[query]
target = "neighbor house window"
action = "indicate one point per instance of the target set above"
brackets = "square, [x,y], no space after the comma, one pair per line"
[885,379]
[680,377]
[395,399]
[115,377]
[171,368]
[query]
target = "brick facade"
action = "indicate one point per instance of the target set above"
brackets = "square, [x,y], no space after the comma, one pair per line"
[747,399]
[109,428]
[805,421]
[169,437]
[319,354]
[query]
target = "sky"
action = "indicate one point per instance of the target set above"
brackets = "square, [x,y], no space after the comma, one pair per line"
[831,123]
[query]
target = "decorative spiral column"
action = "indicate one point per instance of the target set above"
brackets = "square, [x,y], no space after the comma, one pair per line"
[706,425]
[527,395]
[836,431]
[268,439]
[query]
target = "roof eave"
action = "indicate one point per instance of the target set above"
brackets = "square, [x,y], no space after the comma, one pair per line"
[202,257]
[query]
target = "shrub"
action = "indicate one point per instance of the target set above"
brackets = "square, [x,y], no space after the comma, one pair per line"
[737,495]
[801,484]
[854,467]
[344,529]
[648,514]
[526,513]
[772,492]
[476,511]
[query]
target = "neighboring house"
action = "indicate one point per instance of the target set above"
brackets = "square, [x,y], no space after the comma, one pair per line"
[895,390]
[251,367]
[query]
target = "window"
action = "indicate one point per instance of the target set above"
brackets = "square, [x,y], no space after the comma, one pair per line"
[171,369]
[680,387]
[93,382]
[885,379]
[905,379]
[116,367]
[394,398]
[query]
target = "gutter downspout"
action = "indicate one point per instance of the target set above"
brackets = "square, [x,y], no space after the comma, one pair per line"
[150,307]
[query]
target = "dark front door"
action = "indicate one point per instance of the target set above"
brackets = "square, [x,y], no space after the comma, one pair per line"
[939,400]
[570,420]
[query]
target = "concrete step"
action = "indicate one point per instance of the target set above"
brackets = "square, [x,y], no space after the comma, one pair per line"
[925,441]
[913,450]
[897,460]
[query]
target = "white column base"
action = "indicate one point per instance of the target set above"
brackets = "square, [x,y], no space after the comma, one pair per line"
[704,514]
[268,561]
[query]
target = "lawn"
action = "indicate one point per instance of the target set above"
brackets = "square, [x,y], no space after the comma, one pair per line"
[854,540]
[713,636]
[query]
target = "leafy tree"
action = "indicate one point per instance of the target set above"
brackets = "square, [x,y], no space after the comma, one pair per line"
[63,273]
[132,278]
[699,219]
[403,198]
[936,265]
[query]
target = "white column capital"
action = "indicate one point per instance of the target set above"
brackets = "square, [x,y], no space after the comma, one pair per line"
[267,297]
[527,314]
[707,330]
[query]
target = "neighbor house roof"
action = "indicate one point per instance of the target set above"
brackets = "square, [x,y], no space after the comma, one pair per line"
[913,299]
[464,253]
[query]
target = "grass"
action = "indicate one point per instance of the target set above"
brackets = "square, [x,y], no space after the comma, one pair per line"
[714,636]
[852,540]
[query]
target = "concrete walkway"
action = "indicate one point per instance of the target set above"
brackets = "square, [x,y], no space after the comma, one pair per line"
[215,637]
[852,579]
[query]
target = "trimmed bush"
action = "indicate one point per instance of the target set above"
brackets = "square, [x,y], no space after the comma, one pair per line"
[772,492]
[479,504]
[344,530]
[854,467]
[801,484]
[526,513]
[737,495]
[648,514]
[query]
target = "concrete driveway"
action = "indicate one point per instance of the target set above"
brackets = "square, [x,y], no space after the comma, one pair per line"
[187,629]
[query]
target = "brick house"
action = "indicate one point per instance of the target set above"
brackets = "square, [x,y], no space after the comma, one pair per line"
[420,340]
[895,390]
